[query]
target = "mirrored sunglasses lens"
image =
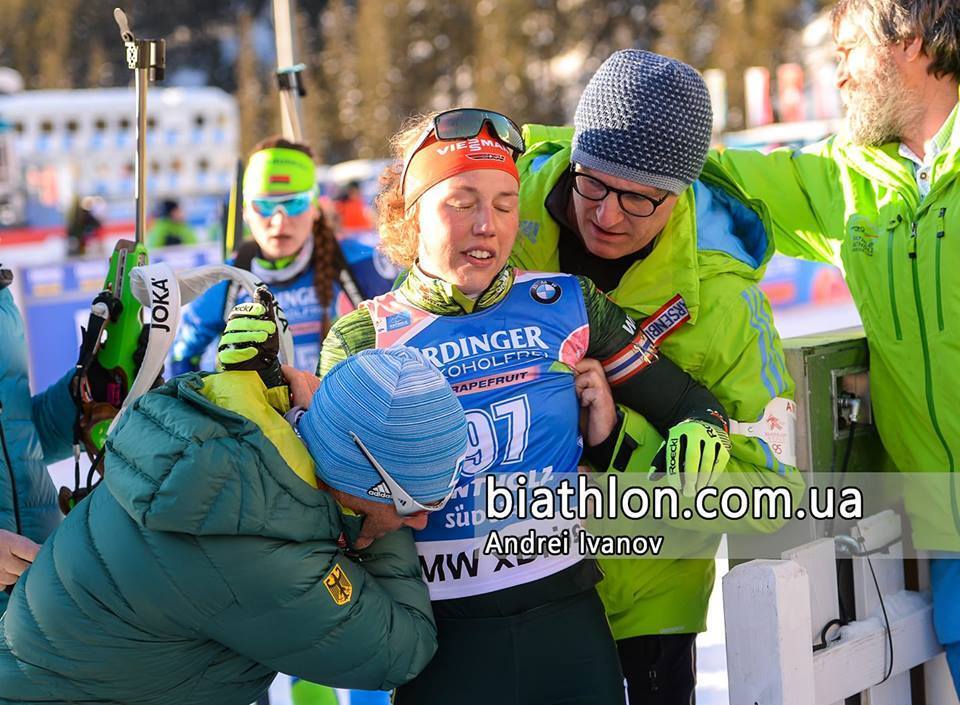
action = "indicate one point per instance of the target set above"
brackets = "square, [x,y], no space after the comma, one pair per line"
[459,124]
[507,131]
[266,207]
[467,122]
[296,206]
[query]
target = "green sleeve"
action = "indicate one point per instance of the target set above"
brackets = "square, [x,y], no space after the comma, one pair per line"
[348,622]
[349,335]
[744,367]
[800,189]
[187,235]
[611,328]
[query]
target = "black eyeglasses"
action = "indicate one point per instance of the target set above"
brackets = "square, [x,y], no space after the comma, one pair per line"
[465,123]
[631,202]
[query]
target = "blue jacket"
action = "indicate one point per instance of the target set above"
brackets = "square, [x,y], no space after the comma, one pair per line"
[204,320]
[34,431]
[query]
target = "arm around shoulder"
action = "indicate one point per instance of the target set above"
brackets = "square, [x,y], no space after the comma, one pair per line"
[800,191]
[743,365]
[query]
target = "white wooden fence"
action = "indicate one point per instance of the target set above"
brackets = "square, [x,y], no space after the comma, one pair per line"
[775,611]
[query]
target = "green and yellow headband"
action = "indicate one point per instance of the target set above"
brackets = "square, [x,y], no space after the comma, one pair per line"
[277,171]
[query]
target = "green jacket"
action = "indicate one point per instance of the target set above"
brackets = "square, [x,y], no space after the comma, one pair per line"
[166,232]
[712,252]
[860,208]
[203,565]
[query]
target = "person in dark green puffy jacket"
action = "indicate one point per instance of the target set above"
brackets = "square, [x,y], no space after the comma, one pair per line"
[219,549]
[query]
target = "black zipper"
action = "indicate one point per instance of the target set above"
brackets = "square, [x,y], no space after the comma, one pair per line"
[890,267]
[13,478]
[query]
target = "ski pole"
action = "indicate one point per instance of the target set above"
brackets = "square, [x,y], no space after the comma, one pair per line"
[288,75]
[147,58]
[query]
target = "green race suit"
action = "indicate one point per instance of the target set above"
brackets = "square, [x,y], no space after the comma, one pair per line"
[860,208]
[712,253]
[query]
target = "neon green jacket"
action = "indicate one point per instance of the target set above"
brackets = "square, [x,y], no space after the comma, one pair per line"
[860,208]
[166,232]
[712,252]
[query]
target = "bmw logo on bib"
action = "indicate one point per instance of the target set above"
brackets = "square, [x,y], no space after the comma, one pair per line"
[545,291]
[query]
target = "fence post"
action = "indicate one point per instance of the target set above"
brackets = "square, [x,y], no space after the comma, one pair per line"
[876,531]
[766,607]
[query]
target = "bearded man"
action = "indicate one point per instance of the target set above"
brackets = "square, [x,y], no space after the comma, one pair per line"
[882,200]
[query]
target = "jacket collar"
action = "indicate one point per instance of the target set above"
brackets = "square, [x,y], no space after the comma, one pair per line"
[445,299]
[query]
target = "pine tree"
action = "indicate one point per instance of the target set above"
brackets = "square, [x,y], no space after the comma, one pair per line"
[372,99]
[683,31]
[98,66]
[336,76]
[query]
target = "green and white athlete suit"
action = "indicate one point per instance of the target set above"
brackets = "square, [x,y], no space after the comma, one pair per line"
[893,225]
[710,256]
[517,630]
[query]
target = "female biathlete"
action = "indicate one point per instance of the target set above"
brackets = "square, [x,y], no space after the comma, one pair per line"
[513,630]
[293,250]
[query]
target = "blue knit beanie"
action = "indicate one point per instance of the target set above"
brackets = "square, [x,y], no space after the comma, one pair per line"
[403,411]
[645,118]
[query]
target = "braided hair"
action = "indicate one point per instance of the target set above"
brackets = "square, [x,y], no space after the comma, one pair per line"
[327,261]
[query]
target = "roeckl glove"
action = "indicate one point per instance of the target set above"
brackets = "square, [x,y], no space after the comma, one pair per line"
[695,449]
[250,340]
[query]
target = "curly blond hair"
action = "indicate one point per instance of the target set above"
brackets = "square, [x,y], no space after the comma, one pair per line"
[399,230]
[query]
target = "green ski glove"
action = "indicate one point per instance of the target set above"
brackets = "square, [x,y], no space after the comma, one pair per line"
[695,449]
[250,341]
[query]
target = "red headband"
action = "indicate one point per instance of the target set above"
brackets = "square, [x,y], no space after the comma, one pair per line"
[438,160]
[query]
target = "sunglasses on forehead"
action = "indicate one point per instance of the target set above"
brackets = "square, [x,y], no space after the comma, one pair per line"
[402,501]
[466,123]
[291,204]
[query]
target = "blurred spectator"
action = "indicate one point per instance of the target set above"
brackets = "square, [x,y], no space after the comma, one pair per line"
[83,223]
[352,210]
[170,228]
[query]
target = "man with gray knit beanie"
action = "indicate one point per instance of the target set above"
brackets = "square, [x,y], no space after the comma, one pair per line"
[625,199]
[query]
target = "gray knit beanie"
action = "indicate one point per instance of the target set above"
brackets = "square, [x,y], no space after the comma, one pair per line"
[645,118]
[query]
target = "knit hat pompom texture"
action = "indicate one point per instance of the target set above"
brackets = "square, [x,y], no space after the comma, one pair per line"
[645,118]
[403,411]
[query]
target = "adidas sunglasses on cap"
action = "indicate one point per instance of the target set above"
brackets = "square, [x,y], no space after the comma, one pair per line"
[402,501]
